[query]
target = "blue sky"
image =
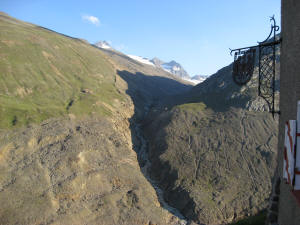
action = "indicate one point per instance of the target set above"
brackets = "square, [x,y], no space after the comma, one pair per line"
[195,33]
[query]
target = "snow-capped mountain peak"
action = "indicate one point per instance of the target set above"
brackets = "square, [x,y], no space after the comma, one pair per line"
[157,62]
[176,69]
[172,67]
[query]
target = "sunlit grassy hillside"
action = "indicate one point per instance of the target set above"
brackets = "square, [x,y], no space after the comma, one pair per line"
[45,74]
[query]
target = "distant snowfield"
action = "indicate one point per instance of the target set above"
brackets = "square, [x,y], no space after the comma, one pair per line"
[141,59]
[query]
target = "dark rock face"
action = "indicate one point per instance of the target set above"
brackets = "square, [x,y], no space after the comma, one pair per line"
[219,165]
[214,156]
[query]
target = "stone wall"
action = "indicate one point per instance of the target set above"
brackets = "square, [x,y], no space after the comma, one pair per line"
[289,210]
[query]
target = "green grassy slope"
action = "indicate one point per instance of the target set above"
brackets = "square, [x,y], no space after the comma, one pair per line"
[45,74]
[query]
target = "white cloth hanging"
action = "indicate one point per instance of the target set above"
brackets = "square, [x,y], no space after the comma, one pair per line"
[289,151]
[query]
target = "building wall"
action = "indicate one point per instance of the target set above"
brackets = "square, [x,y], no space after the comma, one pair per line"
[289,210]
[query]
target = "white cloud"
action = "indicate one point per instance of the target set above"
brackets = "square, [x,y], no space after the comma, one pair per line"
[92,19]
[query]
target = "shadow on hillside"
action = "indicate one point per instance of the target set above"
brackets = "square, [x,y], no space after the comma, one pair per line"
[167,176]
[145,92]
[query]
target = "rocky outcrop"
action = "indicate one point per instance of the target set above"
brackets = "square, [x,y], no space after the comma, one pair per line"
[215,168]
[213,150]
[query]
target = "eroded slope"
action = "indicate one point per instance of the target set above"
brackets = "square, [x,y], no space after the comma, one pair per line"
[214,151]
[74,172]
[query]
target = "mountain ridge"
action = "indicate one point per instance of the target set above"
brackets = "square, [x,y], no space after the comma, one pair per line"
[171,67]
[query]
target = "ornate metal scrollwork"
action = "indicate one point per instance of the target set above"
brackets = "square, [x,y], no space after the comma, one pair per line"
[244,61]
[267,72]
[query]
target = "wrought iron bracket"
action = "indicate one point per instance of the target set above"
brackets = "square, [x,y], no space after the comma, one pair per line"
[244,62]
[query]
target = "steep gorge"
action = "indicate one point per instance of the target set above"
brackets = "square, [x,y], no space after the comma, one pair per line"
[66,150]
[92,136]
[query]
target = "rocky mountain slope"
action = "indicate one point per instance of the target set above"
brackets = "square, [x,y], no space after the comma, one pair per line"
[89,135]
[213,150]
[68,151]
